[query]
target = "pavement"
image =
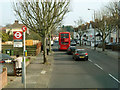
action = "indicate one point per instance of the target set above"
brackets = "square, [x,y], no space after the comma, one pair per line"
[37,74]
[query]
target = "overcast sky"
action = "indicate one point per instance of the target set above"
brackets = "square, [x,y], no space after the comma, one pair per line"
[78,8]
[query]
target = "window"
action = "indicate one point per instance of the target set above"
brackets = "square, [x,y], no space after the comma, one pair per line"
[64,35]
[64,43]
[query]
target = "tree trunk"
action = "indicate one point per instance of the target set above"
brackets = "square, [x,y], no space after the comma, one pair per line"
[103,45]
[44,51]
[50,43]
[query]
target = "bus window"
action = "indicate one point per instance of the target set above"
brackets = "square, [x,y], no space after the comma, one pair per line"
[64,35]
[64,43]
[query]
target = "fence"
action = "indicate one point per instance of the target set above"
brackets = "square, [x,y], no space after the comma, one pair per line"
[3,78]
[33,48]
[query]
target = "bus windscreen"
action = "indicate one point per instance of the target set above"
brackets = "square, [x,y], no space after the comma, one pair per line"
[64,35]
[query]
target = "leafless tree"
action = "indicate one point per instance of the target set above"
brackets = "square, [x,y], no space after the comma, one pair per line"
[80,27]
[40,15]
[104,25]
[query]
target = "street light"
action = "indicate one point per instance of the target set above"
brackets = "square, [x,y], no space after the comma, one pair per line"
[94,30]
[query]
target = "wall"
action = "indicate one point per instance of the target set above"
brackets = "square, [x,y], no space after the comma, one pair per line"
[38,48]
[32,50]
[0,45]
[3,78]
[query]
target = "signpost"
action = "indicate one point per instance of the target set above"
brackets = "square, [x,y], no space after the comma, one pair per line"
[17,38]
[24,28]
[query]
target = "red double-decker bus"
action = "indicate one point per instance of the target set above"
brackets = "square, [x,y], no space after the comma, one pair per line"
[64,40]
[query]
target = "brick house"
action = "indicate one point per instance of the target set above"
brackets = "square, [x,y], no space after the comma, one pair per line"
[16,26]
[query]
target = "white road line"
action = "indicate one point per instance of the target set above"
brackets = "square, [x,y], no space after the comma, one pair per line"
[114,78]
[90,60]
[98,66]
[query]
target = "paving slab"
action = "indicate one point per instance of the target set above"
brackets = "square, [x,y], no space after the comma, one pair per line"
[34,76]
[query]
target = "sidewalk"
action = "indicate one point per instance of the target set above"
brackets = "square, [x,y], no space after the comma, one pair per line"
[37,76]
[108,52]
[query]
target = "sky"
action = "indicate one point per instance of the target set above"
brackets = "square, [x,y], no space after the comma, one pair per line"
[78,8]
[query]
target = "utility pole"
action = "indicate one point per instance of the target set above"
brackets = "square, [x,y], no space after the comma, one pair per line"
[94,31]
[118,38]
[24,28]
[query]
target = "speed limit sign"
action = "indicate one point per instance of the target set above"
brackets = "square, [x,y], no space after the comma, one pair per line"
[18,35]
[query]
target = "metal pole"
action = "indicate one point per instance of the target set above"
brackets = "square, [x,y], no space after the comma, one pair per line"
[94,34]
[94,30]
[24,65]
[118,19]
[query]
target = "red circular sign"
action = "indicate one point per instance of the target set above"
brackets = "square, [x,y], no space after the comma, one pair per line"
[17,35]
[24,28]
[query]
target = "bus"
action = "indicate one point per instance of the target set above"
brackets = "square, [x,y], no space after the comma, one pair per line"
[64,40]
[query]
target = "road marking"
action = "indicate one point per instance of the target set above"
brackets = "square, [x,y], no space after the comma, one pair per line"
[90,60]
[114,78]
[43,72]
[98,66]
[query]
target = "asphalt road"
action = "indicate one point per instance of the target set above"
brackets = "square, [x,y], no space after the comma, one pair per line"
[101,71]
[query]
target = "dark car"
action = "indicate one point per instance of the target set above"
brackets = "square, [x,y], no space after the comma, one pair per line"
[7,61]
[80,54]
[4,58]
[71,50]
[56,43]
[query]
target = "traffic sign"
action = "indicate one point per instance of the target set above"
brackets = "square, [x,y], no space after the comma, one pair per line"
[24,28]
[18,44]
[18,35]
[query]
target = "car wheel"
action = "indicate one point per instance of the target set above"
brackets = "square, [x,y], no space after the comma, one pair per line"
[75,59]
[86,59]
[72,57]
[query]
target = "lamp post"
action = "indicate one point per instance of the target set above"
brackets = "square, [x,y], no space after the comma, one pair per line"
[94,30]
[118,40]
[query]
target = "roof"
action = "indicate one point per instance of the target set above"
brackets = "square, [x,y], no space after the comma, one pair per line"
[15,25]
[80,49]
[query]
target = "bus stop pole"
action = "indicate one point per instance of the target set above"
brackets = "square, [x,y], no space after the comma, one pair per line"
[24,66]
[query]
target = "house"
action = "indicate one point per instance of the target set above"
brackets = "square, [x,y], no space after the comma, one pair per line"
[16,26]
[113,37]
[89,33]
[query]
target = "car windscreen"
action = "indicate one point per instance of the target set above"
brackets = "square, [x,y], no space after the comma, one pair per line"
[81,51]
[73,47]
[4,56]
[56,41]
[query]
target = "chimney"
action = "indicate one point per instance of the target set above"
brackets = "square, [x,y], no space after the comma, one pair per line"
[16,21]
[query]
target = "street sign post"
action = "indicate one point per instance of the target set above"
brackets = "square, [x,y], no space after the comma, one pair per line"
[17,36]
[24,28]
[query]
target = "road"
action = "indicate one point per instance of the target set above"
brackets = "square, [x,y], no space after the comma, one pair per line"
[100,71]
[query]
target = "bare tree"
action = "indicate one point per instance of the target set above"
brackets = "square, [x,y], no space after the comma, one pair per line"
[107,21]
[52,29]
[80,27]
[114,9]
[104,25]
[40,15]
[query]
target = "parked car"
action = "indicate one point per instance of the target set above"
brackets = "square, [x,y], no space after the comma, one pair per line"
[7,61]
[56,43]
[110,45]
[80,54]
[71,50]
[4,58]
[73,43]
